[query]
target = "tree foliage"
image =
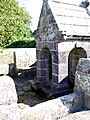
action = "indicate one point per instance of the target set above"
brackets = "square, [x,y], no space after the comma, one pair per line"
[14,23]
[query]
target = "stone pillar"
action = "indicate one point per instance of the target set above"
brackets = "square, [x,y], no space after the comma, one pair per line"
[63,65]
[8,99]
[82,80]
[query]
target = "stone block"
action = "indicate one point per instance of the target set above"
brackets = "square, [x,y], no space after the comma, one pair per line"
[63,57]
[38,54]
[55,57]
[82,80]
[50,46]
[8,93]
[43,72]
[49,110]
[55,46]
[54,109]
[54,78]
[8,99]
[44,63]
[82,77]
[63,68]
[73,101]
[12,69]
[55,69]
[84,65]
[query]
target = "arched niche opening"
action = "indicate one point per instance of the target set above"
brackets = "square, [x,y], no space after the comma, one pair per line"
[46,64]
[74,56]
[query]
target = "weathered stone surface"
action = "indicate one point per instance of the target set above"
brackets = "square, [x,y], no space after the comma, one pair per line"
[54,78]
[25,57]
[53,109]
[63,56]
[73,101]
[87,100]
[12,69]
[25,115]
[55,69]
[8,93]
[8,99]
[22,57]
[85,115]
[63,68]
[82,80]
[55,57]
[49,110]
[84,65]
[9,112]
[65,49]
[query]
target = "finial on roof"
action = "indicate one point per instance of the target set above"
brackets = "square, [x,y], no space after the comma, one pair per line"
[84,4]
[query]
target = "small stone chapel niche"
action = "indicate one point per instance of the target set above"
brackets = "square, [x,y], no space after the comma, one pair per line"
[57,33]
[46,65]
[74,56]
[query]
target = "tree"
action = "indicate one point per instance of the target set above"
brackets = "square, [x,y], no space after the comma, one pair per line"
[14,23]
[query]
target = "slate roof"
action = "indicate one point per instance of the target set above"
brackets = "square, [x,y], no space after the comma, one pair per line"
[70,17]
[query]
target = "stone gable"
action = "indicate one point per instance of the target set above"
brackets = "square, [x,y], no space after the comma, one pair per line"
[62,38]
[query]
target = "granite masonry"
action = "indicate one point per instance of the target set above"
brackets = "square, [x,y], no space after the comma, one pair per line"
[8,99]
[62,38]
[82,80]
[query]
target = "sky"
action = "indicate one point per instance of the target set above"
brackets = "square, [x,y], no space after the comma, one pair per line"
[33,7]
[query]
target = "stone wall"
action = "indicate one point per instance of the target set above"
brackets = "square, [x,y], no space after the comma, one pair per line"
[64,51]
[51,40]
[47,38]
[82,80]
[25,57]
[22,57]
[13,59]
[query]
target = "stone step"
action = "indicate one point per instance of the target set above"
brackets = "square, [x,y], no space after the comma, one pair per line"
[54,93]
[53,90]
